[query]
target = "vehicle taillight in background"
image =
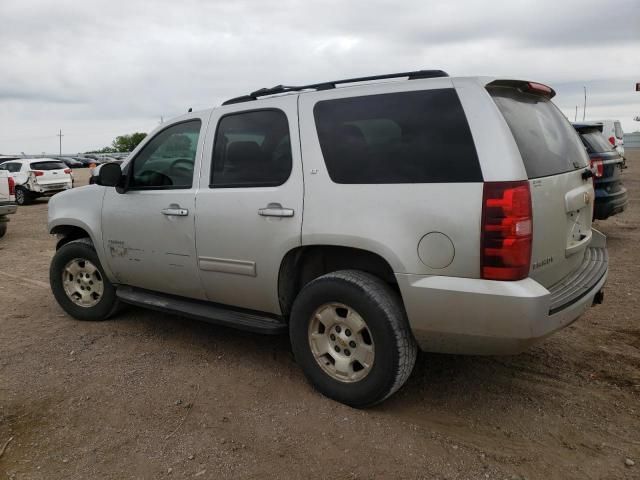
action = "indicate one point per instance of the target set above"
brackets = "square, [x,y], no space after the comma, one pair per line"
[12,186]
[597,167]
[68,170]
[507,227]
[37,173]
[612,141]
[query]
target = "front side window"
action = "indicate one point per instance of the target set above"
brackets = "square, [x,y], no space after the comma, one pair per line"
[408,137]
[252,149]
[168,159]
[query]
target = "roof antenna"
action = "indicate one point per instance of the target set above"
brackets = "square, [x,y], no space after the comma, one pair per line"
[190,110]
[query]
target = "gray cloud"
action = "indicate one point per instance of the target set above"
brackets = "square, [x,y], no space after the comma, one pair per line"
[104,67]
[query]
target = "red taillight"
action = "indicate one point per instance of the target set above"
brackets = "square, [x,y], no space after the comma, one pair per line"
[507,227]
[12,186]
[38,173]
[612,141]
[540,89]
[67,170]
[597,167]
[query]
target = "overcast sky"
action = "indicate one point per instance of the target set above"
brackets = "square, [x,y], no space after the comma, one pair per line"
[97,69]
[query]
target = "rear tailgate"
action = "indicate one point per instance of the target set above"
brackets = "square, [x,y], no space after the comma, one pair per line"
[4,186]
[51,174]
[554,159]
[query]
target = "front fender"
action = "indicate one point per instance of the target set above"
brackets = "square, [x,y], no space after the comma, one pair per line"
[81,208]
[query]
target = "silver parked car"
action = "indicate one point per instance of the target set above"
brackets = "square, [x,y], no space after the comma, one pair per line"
[367,217]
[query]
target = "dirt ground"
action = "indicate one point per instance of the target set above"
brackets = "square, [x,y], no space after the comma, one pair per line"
[149,395]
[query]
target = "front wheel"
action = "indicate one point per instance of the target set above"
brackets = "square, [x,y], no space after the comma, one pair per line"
[350,334]
[3,228]
[79,284]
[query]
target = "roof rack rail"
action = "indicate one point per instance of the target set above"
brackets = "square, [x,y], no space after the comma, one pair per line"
[263,92]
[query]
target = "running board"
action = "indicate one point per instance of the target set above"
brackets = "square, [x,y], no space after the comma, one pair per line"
[201,310]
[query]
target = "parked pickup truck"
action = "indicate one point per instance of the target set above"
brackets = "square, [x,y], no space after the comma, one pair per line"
[7,197]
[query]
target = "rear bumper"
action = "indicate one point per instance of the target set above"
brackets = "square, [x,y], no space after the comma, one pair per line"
[7,208]
[50,189]
[608,204]
[485,317]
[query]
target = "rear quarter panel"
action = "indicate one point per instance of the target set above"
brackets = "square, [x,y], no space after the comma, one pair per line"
[387,219]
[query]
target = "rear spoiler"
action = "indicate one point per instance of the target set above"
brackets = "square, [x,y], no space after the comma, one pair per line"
[525,86]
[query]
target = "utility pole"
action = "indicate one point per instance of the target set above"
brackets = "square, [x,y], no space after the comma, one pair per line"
[584,108]
[60,135]
[575,117]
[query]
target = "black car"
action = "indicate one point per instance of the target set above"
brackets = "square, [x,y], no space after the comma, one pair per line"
[606,164]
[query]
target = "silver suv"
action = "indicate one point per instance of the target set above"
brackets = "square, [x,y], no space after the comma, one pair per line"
[367,217]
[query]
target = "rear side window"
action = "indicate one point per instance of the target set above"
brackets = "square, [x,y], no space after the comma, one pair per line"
[48,166]
[595,141]
[252,149]
[618,128]
[12,167]
[548,143]
[408,137]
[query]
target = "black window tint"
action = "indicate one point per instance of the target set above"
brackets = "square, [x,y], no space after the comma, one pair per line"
[13,167]
[252,149]
[48,166]
[408,137]
[167,161]
[595,141]
[548,143]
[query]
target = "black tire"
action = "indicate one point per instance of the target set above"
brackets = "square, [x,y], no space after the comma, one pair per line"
[81,249]
[3,229]
[382,310]
[23,196]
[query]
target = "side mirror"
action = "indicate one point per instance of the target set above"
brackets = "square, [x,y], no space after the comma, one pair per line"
[110,175]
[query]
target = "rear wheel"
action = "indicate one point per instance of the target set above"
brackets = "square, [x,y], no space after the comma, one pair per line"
[3,229]
[350,335]
[23,196]
[79,284]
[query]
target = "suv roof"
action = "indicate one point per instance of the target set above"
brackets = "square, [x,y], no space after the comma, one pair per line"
[263,92]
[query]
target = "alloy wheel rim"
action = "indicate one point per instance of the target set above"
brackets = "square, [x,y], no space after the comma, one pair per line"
[341,342]
[82,282]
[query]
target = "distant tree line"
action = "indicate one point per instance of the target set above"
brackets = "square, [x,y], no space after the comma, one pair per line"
[123,143]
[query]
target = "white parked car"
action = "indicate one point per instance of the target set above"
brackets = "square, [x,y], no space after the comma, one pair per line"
[38,177]
[612,129]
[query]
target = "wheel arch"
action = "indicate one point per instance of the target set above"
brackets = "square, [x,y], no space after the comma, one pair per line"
[303,264]
[68,233]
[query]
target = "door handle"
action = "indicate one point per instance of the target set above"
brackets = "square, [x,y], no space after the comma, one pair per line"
[275,210]
[175,210]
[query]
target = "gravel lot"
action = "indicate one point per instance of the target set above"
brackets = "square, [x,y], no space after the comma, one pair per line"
[149,395]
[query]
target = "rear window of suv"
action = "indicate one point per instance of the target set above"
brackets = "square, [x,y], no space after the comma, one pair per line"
[548,143]
[408,137]
[48,166]
[595,141]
